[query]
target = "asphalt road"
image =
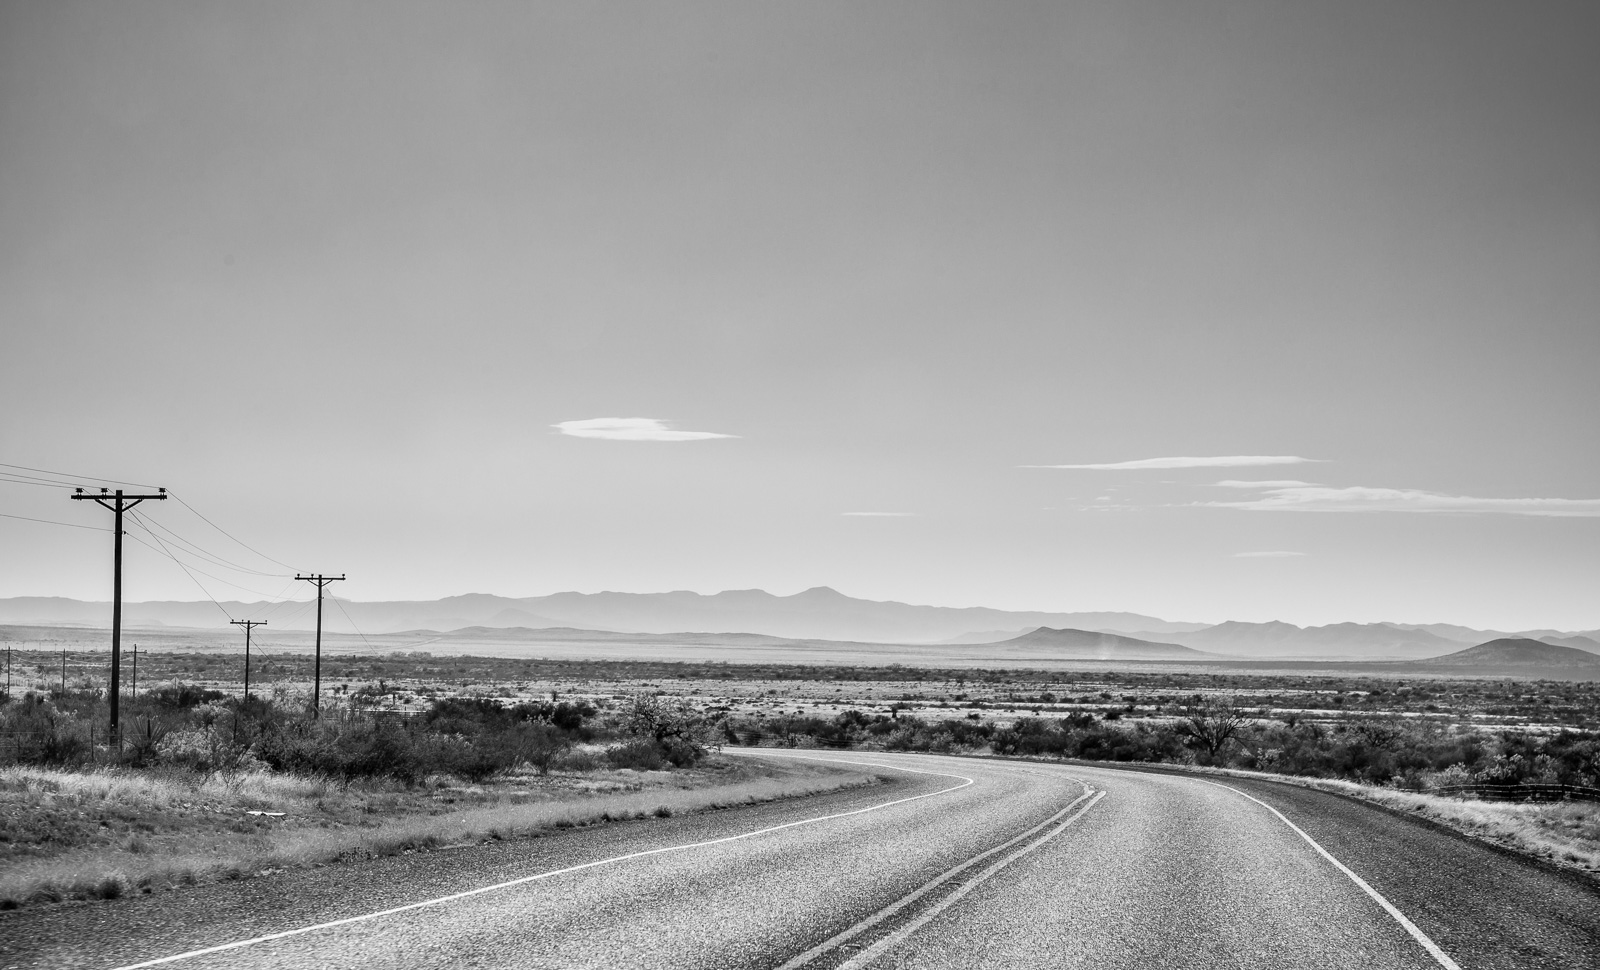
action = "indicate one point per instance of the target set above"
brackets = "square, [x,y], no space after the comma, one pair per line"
[956,863]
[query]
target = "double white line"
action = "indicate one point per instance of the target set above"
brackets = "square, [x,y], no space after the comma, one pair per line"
[1087,801]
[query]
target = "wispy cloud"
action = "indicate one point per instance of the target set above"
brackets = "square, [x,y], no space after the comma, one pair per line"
[1219,461]
[1269,554]
[882,515]
[1282,483]
[632,429]
[1358,498]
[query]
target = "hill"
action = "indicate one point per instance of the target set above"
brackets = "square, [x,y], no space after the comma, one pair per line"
[1093,645]
[819,613]
[1589,644]
[1517,652]
[1355,641]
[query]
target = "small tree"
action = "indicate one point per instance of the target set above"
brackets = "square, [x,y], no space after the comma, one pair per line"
[677,729]
[541,745]
[1210,725]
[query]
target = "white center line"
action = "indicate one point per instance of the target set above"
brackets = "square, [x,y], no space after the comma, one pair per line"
[887,912]
[897,937]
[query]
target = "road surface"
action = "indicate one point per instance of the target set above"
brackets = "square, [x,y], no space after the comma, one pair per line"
[952,863]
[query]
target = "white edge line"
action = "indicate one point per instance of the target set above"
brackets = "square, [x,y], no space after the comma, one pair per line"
[270,937]
[1433,948]
[898,936]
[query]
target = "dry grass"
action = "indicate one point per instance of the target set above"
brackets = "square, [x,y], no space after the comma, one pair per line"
[99,835]
[1564,833]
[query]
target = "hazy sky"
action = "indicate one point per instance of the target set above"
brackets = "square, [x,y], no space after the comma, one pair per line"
[1067,288]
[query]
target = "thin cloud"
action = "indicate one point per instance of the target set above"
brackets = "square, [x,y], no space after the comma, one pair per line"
[632,429]
[881,515]
[1358,498]
[1283,483]
[1219,461]
[1269,554]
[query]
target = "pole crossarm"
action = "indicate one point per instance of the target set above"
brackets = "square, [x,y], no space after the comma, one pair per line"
[119,498]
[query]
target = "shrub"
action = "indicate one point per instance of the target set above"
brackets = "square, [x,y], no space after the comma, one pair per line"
[42,733]
[177,697]
[639,754]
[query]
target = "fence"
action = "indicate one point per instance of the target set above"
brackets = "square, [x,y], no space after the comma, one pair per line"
[1519,793]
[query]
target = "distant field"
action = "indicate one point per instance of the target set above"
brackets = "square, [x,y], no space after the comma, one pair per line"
[733,649]
[997,693]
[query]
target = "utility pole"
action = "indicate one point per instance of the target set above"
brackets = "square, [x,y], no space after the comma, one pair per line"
[117,503]
[316,684]
[63,673]
[136,671]
[248,626]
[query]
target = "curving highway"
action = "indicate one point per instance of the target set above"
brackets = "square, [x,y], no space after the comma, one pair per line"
[952,862]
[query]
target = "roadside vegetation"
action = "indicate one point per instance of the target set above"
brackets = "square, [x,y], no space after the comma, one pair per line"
[111,832]
[1538,793]
[208,787]
[1393,751]
[413,738]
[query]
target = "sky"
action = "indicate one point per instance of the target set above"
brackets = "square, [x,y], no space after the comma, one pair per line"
[1205,310]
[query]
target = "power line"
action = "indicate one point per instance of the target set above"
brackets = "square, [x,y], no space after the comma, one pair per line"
[186,572]
[196,549]
[92,478]
[70,525]
[297,614]
[277,600]
[166,550]
[352,622]
[35,478]
[27,480]
[282,618]
[227,533]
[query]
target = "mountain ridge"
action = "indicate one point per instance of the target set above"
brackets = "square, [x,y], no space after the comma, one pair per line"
[819,613]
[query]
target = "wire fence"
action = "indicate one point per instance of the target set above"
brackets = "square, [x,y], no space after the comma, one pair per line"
[1518,793]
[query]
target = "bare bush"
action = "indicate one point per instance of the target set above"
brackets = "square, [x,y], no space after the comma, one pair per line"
[1211,725]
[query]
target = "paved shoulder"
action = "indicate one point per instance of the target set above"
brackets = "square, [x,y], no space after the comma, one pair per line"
[1488,909]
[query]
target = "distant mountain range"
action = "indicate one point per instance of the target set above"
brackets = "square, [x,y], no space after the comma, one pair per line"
[815,614]
[1365,641]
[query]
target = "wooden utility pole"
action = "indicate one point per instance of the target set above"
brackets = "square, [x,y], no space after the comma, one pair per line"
[248,626]
[118,503]
[136,671]
[316,684]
